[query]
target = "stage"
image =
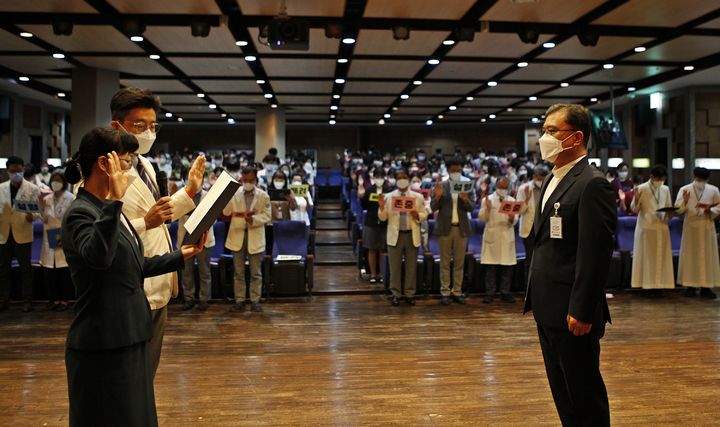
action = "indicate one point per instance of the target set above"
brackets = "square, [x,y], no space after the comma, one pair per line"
[356,361]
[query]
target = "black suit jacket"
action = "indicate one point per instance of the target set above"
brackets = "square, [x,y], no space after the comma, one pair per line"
[568,275]
[108,267]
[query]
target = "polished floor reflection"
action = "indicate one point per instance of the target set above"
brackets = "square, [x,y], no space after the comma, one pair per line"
[356,361]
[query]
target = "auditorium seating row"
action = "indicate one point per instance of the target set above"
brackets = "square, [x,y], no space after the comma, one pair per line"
[329,182]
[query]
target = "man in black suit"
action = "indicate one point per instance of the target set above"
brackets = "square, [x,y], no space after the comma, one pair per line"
[574,227]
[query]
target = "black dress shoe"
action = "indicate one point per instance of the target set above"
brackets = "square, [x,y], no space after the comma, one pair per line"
[27,307]
[256,307]
[707,293]
[202,306]
[394,301]
[4,305]
[445,300]
[459,299]
[61,307]
[187,305]
[507,298]
[487,299]
[411,301]
[690,292]
[238,307]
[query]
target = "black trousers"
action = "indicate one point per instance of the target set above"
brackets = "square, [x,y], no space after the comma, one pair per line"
[22,253]
[58,283]
[529,243]
[573,370]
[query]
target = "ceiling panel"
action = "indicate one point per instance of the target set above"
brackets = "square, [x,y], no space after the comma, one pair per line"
[311,109]
[373,87]
[495,45]
[213,66]
[470,111]
[290,99]
[578,90]
[373,100]
[199,7]
[299,67]
[319,44]
[239,99]
[182,99]
[715,23]
[10,41]
[46,6]
[607,47]
[481,101]
[466,70]
[229,85]
[445,88]
[137,66]
[417,9]
[62,84]
[291,86]
[364,110]
[35,64]
[543,103]
[372,68]
[194,109]
[86,38]
[179,39]
[684,48]
[294,7]
[379,42]
[657,13]
[430,100]
[556,72]
[516,89]
[421,110]
[624,74]
[541,11]
[156,85]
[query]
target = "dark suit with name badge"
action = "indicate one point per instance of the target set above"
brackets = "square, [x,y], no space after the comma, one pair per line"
[567,278]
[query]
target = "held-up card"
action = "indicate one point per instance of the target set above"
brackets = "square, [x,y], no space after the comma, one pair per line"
[461,187]
[424,191]
[373,197]
[299,190]
[403,204]
[31,206]
[209,208]
[508,207]
[53,235]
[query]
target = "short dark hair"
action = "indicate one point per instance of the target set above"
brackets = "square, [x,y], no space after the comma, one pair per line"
[622,164]
[541,170]
[577,116]
[96,143]
[61,174]
[249,170]
[129,98]
[454,161]
[658,171]
[14,160]
[702,173]
[29,170]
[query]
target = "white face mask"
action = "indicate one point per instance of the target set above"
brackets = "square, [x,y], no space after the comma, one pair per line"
[296,182]
[467,171]
[145,140]
[700,185]
[501,192]
[415,185]
[455,176]
[56,186]
[248,186]
[379,182]
[391,181]
[551,147]
[657,184]
[278,184]
[16,177]
[402,184]
[538,184]
[622,175]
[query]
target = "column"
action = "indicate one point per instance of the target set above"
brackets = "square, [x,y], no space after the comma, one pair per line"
[269,131]
[92,90]
[689,137]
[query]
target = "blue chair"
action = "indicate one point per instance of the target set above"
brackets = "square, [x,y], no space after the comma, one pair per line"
[621,262]
[217,260]
[36,249]
[676,226]
[291,277]
[173,230]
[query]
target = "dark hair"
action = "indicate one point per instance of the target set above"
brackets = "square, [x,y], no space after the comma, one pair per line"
[612,172]
[621,165]
[401,170]
[61,174]
[702,173]
[454,161]
[658,171]
[129,98]
[577,116]
[378,173]
[14,160]
[279,174]
[249,170]
[541,170]
[95,144]
[29,170]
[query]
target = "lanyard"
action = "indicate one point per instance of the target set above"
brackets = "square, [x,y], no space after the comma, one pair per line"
[699,197]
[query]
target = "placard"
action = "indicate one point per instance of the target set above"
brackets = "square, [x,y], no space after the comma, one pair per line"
[425,192]
[461,187]
[403,204]
[299,190]
[209,208]
[373,197]
[31,206]
[53,236]
[507,207]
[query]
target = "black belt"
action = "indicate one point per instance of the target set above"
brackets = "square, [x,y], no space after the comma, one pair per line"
[455,225]
[404,231]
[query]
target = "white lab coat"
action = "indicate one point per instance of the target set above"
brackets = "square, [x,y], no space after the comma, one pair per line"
[11,220]
[393,217]
[498,245]
[652,266]
[52,217]
[527,214]
[137,202]
[256,230]
[699,264]
[300,213]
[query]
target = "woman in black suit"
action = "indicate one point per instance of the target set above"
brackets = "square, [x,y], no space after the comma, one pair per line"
[109,381]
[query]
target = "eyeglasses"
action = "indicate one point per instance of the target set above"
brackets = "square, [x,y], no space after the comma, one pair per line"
[128,163]
[553,130]
[140,127]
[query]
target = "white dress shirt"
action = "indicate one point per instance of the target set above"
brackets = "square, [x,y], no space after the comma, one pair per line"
[557,175]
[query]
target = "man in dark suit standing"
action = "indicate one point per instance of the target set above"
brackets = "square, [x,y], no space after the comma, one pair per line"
[574,227]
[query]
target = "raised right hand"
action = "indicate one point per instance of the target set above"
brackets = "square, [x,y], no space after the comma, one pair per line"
[686,197]
[381,201]
[438,190]
[160,212]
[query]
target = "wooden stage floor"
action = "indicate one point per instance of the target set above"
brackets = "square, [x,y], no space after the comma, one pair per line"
[356,361]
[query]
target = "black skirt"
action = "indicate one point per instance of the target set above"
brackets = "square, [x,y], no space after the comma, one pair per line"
[110,387]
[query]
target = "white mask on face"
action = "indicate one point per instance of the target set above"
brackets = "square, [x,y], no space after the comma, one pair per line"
[538,184]
[16,177]
[455,176]
[467,171]
[248,186]
[379,182]
[657,184]
[501,192]
[551,147]
[145,140]
[278,184]
[622,175]
[56,186]
[415,185]
[391,181]
[700,185]
[402,184]
[296,182]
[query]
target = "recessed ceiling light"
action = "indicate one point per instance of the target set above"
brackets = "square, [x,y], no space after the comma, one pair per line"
[332,122]
[509,109]
[483,120]
[631,89]
[153,56]
[180,119]
[428,122]
[334,107]
[241,43]
[417,82]
[440,116]
[387,115]
[342,60]
[332,116]
[381,121]
[593,99]
[26,35]
[469,98]
[168,115]
[268,95]
[532,98]
[336,96]
[548,45]
[231,120]
[404,96]
[339,81]
[223,115]
[61,94]
[492,84]
[452,108]
[394,108]
[608,66]
[640,49]
[58,55]
[348,40]
[448,42]
[688,68]
[260,81]
[273,105]
[212,106]
[433,61]
[136,38]
[535,120]
[492,116]
[24,79]
[201,95]
[250,58]
[522,64]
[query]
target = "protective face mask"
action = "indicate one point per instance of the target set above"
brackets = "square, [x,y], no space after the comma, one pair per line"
[379,182]
[145,140]
[551,147]
[413,169]
[421,158]
[700,185]
[402,184]
[56,186]
[456,176]
[427,180]
[538,184]
[296,182]
[415,185]
[44,170]
[391,181]
[16,177]
[467,171]
[249,186]
[278,184]
[622,175]
[377,163]
[657,184]
[501,192]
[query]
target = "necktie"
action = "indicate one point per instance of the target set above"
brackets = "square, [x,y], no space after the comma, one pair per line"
[146,179]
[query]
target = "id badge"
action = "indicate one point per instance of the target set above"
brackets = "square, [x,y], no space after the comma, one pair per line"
[556,224]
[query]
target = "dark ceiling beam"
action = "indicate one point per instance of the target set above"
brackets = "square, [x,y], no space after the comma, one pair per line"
[10,74]
[48,48]
[354,10]
[149,19]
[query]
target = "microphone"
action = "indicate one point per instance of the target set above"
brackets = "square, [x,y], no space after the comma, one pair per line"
[162,183]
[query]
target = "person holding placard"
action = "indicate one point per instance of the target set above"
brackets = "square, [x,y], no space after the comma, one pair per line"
[302,202]
[452,225]
[52,257]
[652,265]
[498,244]
[404,211]
[699,265]
[16,231]
[374,229]
[530,194]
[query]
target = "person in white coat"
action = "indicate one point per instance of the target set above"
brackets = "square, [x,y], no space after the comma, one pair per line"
[52,259]
[16,232]
[699,265]
[135,111]
[403,237]
[302,204]
[498,244]
[652,266]
[250,212]
[529,193]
